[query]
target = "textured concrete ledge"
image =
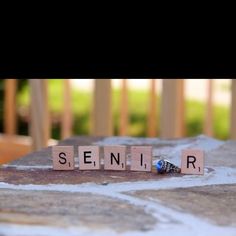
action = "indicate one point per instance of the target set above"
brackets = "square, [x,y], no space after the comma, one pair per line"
[35,200]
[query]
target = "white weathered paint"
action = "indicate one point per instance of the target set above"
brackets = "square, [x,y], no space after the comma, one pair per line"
[200,140]
[185,222]
[170,150]
[24,167]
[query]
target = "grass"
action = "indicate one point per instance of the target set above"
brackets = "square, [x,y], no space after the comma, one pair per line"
[138,110]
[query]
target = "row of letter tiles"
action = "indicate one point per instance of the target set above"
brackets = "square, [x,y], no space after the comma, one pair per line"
[192,160]
[114,158]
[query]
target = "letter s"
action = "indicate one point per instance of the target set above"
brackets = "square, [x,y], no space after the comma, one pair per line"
[62,156]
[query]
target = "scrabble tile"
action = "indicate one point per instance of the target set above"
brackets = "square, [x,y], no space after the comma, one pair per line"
[192,162]
[141,158]
[63,157]
[115,158]
[89,157]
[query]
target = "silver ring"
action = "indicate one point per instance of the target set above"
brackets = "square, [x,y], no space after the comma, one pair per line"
[164,166]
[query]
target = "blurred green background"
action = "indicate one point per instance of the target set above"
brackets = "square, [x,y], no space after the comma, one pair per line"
[138,110]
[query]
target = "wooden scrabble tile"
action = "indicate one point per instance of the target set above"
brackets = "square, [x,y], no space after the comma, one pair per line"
[192,162]
[63,157]
[115,158]
[141,158]
[89,157]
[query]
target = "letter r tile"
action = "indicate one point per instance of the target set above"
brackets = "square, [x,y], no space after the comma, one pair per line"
[192,161]
[89,157]
[63,157]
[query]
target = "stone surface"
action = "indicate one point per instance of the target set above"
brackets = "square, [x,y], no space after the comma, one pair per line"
[35,200]
[224,155]
[49,176]
[64,209]
[215,203]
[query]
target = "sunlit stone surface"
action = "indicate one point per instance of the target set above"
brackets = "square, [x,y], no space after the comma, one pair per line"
[35,200]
